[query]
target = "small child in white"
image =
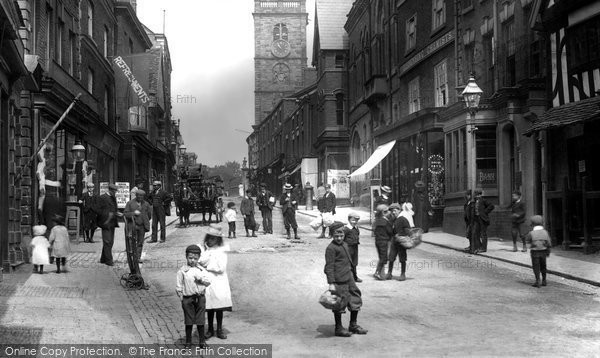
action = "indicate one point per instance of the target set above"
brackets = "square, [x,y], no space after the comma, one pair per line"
[60,243]
[230,216]
[39,249]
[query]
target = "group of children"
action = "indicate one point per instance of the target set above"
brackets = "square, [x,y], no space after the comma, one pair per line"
[203,287]
[55,248]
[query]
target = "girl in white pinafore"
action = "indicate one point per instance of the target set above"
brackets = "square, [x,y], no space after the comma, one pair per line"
[39,249]
[218,294]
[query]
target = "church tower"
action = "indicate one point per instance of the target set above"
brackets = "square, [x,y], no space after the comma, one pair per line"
[279,52]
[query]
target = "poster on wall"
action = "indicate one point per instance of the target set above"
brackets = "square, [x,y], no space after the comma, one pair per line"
[103,188]
[340,184]
[122,194]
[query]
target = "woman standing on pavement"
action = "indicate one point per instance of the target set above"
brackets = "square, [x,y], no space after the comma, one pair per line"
[384,230]
[218,294]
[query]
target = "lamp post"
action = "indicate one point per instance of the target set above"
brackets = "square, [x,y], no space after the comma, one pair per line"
[182,161]
[472,95]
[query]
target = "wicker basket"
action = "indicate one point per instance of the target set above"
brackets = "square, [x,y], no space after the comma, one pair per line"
[412,241]
[330,301]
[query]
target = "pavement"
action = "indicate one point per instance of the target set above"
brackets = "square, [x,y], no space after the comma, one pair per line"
[570,264]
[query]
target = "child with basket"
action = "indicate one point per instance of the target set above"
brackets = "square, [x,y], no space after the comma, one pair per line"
[339,270]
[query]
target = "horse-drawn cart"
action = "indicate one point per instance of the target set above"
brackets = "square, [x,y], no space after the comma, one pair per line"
[196,194]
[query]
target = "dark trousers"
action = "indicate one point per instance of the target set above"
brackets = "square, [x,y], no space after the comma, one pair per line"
[231,228]
[479,234]
[249,222]
[184,213]
[108,239]
[138,237]
[538,263]
[397,250]
[289,220]
[267,219]
[350,294]
[158,215]
[353,251]
[518,232]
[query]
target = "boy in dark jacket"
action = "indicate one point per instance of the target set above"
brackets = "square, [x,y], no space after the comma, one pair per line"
[247,209]
[339,270]
[518,229]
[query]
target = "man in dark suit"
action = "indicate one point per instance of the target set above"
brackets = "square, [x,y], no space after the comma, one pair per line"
[161,202]
[88,202]
[289,204]
[327,205]
[468,215]
[481,220]
[339,270]
[518,229]
[384,198]
[108,220]
[140,212]
[265,205]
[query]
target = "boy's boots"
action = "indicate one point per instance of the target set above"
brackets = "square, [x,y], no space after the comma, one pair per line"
[296,234]
[288,234]
[340,331]
[524,246]
[354,327]
[202,342]
[57,265]
[515,249]
[378,270]
[247,233]
[322,236]
[390,269]
[402,273]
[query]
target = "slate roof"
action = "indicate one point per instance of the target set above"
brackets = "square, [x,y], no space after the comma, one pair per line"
[330,17]
[570,113]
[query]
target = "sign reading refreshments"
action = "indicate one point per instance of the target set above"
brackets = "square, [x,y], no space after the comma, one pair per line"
[432,48]
[135,85]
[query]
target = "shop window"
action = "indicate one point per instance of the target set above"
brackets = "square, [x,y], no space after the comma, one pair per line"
[485,147]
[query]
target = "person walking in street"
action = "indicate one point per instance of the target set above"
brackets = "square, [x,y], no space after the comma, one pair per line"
[540,248]
[384,198]
[481,220]
[161,203]
[289,204]
[339,270]
[59,242]
[230,217]
[468,216]
[139,211]
[89,201]
[39,249]
[403,221]
[327,207]
[518,229]
[265,202]
[185,194]
[191,283]
[218,294]
[422,207]
[108,216]
[352,239]
[384,231]
[247,210]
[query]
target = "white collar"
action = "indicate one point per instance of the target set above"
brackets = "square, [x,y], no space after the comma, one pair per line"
[538,227]
[349,226]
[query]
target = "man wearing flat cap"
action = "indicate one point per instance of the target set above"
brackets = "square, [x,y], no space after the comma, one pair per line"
[88,202]
[289,204]
[161,203]
[139,212]
[108,215]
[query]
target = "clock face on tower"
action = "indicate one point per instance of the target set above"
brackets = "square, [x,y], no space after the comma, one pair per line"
[280,48]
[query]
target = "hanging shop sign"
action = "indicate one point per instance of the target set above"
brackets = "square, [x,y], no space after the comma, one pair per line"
[432,48]
[135,85]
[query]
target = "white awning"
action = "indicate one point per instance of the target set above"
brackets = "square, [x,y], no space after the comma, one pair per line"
[296,169]
[375,158]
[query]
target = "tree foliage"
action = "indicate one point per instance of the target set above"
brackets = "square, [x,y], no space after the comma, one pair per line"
[230,172]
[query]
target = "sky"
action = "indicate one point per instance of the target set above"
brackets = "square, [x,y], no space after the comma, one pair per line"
[212,84]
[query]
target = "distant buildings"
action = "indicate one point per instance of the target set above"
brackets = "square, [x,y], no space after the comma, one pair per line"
[393,72]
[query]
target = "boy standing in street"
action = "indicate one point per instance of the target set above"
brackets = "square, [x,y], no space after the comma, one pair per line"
[518,229]
[339,270]
[540,248]
[192,280]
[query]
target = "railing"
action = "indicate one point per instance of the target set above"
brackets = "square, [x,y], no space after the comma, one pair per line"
[284,4]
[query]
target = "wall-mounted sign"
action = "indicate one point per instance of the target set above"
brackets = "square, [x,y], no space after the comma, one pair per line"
[135,85]
[432,48]
[486,178]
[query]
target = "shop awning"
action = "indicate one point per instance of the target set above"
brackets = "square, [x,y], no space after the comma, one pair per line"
[296,169]
[375,158]
[570,113]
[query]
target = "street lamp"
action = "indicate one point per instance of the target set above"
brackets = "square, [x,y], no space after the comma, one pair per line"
[78,151]
[472,95]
